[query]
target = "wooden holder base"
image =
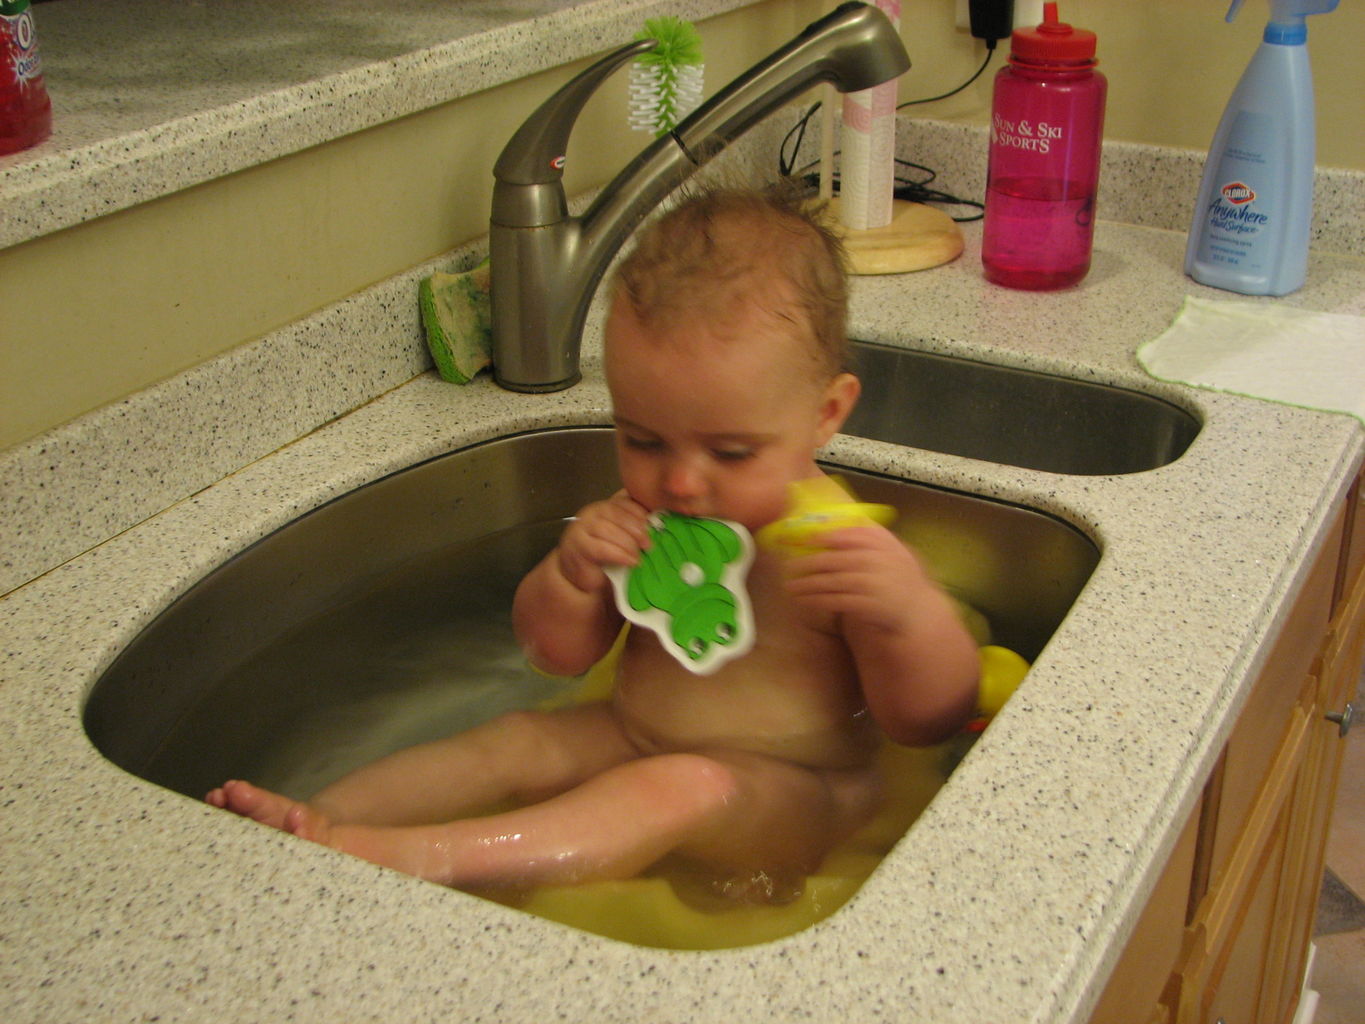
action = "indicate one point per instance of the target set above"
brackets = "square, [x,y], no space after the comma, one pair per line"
[918,237]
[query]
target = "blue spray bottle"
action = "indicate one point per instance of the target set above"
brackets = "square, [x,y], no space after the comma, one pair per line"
[1255,206]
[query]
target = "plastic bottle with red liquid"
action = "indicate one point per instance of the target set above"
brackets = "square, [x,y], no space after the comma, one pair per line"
[1047,123]
[25,110]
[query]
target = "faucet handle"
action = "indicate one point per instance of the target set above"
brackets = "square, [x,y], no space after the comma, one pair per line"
[535,154]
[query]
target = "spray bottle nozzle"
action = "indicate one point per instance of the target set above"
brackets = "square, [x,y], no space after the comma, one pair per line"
[1287,18]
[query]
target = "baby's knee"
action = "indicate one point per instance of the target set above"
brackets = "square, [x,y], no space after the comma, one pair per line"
[697,779]
[857,798]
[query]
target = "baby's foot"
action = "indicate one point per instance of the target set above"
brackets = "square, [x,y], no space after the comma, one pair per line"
[253,802]
[406,850]
[302,821]
[277,811]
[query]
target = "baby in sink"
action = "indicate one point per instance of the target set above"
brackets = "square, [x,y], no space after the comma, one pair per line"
[724,356]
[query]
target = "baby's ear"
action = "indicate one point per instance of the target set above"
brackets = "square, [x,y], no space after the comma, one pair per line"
[841,395]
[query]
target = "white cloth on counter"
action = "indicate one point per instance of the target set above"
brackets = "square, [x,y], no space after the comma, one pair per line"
[1265,350]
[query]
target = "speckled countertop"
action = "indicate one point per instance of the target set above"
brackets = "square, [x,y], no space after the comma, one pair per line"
[153,96]
[1008,899]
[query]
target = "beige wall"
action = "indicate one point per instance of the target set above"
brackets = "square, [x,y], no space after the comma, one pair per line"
[96,312]
[1171,67]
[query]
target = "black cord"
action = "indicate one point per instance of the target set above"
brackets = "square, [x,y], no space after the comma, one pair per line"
[912,190]
[918,191]
[785,163]
[990,52]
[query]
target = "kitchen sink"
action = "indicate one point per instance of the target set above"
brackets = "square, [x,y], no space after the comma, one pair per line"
[382,619]
[1012,416]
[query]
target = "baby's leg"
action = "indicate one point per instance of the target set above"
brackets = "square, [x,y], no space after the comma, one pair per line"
[734,811]
[613,825]
[523,756]
[781,816]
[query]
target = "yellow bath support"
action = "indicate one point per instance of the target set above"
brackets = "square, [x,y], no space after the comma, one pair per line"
[648,912]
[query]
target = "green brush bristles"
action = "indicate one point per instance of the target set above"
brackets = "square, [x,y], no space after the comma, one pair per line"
[666,82]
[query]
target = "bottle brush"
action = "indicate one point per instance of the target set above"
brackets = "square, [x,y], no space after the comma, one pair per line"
[666,82]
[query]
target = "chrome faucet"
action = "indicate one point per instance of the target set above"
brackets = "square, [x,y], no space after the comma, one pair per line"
[546,264]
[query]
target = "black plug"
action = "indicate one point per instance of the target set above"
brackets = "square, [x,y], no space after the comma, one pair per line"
[991,19]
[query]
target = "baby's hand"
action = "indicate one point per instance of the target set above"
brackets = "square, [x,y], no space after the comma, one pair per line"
[610,532]
[864,574]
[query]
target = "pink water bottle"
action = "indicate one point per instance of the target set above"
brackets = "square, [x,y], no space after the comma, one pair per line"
[1047,122]
[25,110]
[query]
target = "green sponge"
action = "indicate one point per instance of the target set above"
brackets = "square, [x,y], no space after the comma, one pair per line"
[457,319]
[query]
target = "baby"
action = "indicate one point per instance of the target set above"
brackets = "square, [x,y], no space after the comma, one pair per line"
[724,355]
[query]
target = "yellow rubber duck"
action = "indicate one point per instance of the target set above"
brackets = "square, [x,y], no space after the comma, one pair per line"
[815,507]
[1002,671]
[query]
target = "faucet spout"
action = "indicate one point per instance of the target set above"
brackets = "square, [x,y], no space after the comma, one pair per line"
[546,264]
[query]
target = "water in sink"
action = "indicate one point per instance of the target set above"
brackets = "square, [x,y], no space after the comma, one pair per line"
[414,654]
[382,620]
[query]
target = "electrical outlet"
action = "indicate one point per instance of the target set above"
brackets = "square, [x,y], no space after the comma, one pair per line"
[985,19]
[1027,13]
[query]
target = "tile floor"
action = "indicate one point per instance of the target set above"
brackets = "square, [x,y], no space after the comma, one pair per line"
[1339,971]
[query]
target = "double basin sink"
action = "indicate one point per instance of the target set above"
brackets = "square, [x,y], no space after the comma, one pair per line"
[381,619]
[1014,417]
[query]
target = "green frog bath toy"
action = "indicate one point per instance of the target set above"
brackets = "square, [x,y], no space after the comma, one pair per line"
[688,587]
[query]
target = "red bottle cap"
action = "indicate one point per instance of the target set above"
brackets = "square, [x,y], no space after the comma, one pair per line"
[1053,41]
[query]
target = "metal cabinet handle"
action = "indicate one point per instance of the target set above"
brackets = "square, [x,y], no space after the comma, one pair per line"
[1343,719]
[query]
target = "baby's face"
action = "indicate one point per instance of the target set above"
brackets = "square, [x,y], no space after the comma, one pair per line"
[716,427]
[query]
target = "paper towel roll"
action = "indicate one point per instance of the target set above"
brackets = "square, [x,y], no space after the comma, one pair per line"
[867,164]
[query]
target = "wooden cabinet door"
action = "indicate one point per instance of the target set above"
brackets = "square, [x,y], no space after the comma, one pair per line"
[1135,986]
[1251,857]
[1251,750]
[1231,990]
[1314,799]
[1223,973]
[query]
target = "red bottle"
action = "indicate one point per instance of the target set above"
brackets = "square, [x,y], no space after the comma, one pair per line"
[25,110]
[1047,123]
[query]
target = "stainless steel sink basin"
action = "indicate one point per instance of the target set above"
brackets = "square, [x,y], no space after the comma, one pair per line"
[1012,416]
[381,619]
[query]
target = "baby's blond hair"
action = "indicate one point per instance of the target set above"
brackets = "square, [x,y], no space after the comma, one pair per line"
[723,251]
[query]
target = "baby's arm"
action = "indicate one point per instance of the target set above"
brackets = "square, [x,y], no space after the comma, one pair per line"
[564,613]
[917,663]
